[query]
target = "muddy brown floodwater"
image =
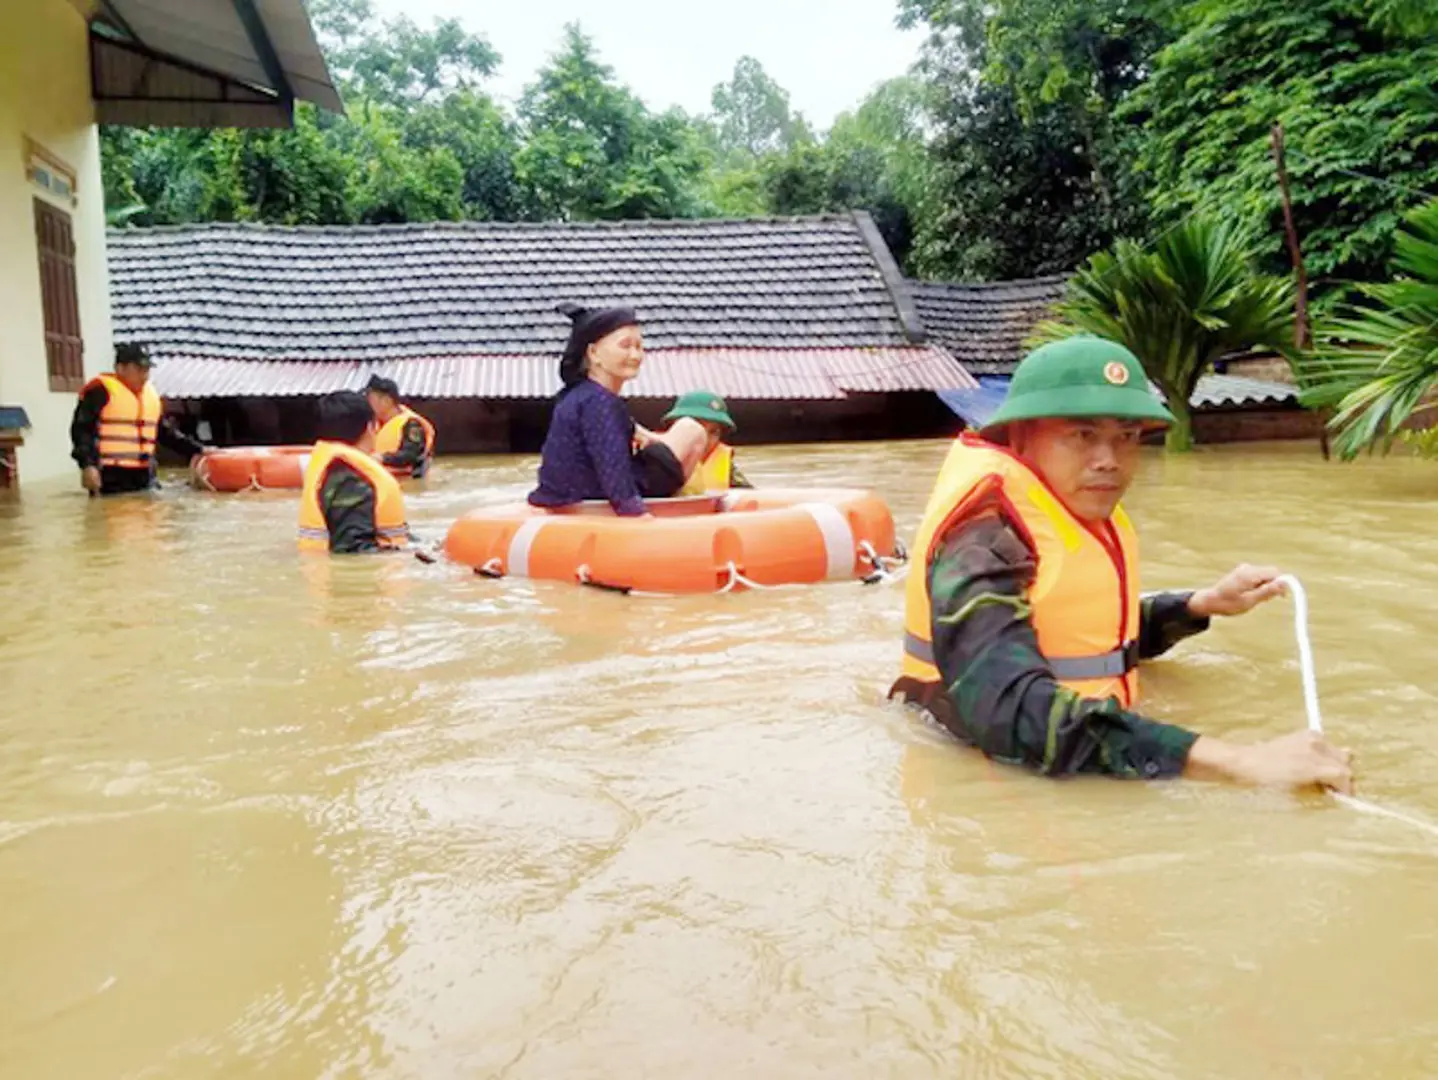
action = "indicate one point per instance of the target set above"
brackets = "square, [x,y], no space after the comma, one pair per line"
[266,816]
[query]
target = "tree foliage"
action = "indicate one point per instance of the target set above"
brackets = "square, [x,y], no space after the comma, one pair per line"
[1354,95]
[1376,363]
[1192,298]
[592,150]
[1031,134]
[752,113]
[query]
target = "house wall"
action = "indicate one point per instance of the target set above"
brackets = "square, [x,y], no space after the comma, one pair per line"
[1255,425]
[45,96]
[471,426]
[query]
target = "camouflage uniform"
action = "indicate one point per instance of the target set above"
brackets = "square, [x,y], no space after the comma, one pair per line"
[1001,696]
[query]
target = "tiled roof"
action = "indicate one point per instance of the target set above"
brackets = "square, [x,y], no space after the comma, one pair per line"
[984,326]
[740,374]
[255,292]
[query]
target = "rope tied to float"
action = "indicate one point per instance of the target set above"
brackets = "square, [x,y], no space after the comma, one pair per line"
[202,474]
[1310,704]
[737,578]
[885,567]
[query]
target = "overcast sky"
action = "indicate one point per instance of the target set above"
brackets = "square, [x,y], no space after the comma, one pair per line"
[827,53]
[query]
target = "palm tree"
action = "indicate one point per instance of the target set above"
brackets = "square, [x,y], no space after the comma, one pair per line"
[1377,362]
[1194,298]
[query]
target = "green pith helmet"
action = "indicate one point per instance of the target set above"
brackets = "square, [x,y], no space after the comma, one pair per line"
[1080,376]
[701,405]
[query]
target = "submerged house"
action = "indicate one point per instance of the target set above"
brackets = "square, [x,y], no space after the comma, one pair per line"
[804,325]
[984,327]
[66,66]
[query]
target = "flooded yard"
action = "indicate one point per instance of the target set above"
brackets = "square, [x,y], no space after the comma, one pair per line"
[265,815]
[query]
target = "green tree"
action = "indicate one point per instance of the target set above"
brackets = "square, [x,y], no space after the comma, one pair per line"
[1355,95]
[1377,361]
[1031,171]
[592,150]
[752,113]
[418,142]
[485,143]
[1009,198]
[1195,297]
[395,61]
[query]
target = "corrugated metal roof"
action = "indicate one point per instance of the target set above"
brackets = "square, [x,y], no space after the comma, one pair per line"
[740,374]
[212,35]
[1214,391]
[975,406]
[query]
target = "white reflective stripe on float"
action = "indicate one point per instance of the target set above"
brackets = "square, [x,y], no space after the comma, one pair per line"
[518,562]
[838,537]
[304,465]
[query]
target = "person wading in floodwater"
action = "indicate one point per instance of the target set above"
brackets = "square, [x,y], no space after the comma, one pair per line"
[350,503]
[1024,624]
[117,422]
[404,443]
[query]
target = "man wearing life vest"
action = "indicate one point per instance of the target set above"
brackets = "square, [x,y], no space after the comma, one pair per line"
[1024,625]
[350,502]
[716,470]
[117,423]
[405,443]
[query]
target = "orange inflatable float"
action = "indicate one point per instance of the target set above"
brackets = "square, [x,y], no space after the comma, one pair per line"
[749,538]
[252,468]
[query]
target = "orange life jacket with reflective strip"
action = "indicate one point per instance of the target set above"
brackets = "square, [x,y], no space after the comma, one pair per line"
[391,530]
[391,434]
[711,474]
[129,424]
[1084,598]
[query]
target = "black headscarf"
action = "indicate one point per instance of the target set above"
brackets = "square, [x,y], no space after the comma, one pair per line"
[589,325]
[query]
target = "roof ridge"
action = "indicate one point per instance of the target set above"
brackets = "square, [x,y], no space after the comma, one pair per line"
[399,228]
[909,318]
[979,286]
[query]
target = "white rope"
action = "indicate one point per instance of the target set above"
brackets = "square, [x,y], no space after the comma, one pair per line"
[1310,702]
[884,566]
[737,578]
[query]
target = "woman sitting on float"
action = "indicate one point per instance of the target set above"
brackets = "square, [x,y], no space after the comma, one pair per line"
[594,449]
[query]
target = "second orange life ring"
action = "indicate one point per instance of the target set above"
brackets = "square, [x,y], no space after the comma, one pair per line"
[252,468]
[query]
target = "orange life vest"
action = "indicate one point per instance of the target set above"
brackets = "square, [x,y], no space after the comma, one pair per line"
[1084,600]
[711,474]
[391,530]
[129,424]
[391,434]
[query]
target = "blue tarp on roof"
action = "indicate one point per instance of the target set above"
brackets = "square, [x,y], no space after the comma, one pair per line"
[974,407]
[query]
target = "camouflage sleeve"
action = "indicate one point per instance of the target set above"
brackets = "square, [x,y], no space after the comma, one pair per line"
[348,502]
[1164,621]
[411,447]
[1005,699]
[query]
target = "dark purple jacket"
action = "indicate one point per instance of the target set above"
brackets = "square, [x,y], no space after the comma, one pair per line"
[589,452]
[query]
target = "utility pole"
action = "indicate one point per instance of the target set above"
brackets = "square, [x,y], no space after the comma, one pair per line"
[1301,337]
